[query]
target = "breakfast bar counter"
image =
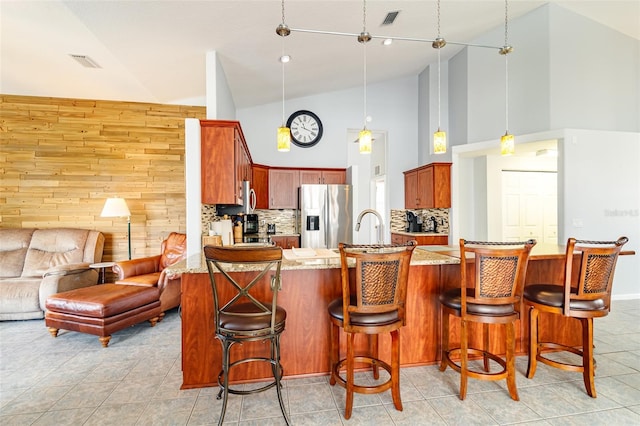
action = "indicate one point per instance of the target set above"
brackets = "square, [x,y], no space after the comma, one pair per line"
[310,282]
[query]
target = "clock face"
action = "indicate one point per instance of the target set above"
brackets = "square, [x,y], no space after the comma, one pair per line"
[306,128]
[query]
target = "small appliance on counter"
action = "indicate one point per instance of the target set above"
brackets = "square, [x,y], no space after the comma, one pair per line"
[250,224]
[414,222]
[271,228]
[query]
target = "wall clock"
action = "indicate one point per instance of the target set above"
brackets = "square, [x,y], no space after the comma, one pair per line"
[306,128]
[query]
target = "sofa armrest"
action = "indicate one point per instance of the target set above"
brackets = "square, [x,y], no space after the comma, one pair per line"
[142,266]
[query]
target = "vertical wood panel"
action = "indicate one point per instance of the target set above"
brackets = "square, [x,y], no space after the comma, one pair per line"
[61,158]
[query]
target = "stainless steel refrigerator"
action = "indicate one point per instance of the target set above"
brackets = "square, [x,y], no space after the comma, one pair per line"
[326,215]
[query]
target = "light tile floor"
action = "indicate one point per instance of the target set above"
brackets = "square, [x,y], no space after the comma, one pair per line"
[72,380]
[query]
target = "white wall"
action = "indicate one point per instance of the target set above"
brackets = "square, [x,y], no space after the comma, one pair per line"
[601,183]
[393,106]
[220,104]
[595,75]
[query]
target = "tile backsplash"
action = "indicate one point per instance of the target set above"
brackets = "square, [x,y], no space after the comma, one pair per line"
[399,219]
[285,220]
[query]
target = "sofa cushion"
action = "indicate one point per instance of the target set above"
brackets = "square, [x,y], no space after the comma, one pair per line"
[54,247]
[20,295]
[13,248]
[146,279]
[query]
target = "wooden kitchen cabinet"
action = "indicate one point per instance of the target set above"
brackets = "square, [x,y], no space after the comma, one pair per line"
[428,187]
[225,162]
[323,176]
[422,240]
[283,188]
[286,242]
[260,184]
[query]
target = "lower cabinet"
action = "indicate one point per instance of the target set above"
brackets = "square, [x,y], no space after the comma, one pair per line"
[286,242]
[422,240]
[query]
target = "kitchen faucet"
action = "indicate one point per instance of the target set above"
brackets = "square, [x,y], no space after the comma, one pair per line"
[376,214]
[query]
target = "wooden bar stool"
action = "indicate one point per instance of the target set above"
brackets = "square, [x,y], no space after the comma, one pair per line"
[490,293]
[589,299]
[247,316]
[372,303]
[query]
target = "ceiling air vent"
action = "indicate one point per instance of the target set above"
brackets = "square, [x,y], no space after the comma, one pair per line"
[85,61]
[391,16]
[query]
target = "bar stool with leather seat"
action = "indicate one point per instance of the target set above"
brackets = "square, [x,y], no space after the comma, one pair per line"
[490,293]
[242,313]
[590,298]
[372,302]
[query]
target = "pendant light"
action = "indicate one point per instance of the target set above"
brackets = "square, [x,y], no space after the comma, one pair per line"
[507,142]
[439,137]
[364,137]
[284,133]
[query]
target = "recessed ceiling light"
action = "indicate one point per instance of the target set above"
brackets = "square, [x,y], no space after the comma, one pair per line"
[387,41]
[284,59]
[547,153]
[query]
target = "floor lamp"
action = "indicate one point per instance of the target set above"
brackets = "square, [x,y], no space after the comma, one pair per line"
[117,207]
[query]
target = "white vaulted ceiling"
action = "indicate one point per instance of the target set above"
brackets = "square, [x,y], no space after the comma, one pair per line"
[154,51]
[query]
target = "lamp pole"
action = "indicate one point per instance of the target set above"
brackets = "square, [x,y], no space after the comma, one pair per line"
[129,234]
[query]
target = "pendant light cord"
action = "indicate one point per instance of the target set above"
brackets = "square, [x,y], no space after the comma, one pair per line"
[439,66]
[282,63]
[364,31]
[506,64]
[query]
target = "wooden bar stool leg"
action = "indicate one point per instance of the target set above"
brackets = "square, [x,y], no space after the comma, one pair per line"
[485,346]
[373,353]
[511,361]
[464,367]
[395,369]
[533,342]
[444,348]
[350,375]
[334,352]
[587,356]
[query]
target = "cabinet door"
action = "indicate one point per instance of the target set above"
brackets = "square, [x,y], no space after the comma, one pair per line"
[260,184]
[218,172]
[310,177]
[397,239]
[411,190]
[436,240]
[442,185]
[286,242]
[283,188]
[331,177]
[425,196]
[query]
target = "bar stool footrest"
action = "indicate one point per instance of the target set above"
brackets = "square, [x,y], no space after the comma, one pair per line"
[362,388]
[481,375]
[252,391]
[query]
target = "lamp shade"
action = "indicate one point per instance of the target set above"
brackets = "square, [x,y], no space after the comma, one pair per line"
[439,142]
[364,140]
[284,139]
[115,207]
[507,144]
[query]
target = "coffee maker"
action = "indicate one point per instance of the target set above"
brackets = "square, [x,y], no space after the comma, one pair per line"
[414,222]
[250,224]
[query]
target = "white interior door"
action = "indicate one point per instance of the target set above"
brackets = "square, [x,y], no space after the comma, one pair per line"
[529,206]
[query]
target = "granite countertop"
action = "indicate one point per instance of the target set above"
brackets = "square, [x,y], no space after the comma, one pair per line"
[195,264]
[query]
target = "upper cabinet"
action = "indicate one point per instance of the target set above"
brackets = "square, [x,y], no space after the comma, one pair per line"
[260,184]
[323,176]
[428,187]
[283,188]
[225,162]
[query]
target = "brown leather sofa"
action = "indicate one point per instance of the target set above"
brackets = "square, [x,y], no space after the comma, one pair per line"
[149,271]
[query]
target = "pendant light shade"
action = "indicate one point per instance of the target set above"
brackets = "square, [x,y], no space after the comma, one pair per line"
[507,144]
[364,141]
[284,139]
[439,142]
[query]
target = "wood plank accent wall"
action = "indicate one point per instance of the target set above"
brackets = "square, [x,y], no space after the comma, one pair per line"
[61,158]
